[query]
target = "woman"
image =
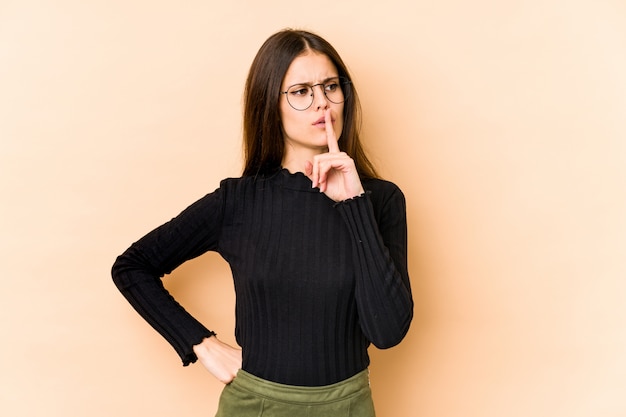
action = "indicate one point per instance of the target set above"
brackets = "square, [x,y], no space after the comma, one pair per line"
[315,241]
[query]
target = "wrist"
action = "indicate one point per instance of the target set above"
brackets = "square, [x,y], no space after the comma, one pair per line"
[205,345]
[348,200]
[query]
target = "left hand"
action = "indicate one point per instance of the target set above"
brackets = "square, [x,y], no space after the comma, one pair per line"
[219,358]
[334,172]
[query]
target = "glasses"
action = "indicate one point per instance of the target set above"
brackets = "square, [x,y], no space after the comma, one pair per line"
[300,96]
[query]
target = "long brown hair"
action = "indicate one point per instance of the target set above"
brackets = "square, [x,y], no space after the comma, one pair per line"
[264,146]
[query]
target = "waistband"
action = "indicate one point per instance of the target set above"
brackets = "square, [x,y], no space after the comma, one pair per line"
[293,393]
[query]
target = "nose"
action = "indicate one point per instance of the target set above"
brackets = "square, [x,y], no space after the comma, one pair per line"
[319,98]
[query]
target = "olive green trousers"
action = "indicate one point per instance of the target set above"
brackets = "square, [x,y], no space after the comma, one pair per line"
[250,396]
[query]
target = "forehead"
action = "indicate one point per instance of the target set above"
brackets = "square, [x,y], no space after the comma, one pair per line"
[310,67]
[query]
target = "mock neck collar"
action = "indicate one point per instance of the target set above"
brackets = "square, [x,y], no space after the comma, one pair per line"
[293,181]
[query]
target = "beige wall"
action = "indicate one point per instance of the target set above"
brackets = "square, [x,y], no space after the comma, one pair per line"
[503,121]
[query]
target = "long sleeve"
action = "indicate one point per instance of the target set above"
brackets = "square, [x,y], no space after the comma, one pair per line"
[316,283]
[138,272]
[383,291]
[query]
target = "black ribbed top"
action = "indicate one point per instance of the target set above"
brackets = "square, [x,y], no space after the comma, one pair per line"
[316,281]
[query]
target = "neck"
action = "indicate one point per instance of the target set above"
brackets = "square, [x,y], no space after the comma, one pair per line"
[295,160]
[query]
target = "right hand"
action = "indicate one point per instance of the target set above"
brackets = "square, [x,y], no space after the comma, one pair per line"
[334,172]
[220,359]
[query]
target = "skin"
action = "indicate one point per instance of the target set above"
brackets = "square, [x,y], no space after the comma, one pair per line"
[302,136]
[310,148]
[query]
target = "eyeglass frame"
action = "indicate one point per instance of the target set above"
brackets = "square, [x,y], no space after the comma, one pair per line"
[342,81]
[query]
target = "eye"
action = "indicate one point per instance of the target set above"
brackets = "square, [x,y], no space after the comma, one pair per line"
[299,90]
[331,86]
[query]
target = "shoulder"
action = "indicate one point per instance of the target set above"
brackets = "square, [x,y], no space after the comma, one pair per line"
[381,191]
[234,181]
[237,190]
[387,199]
[249,180]
[238,184]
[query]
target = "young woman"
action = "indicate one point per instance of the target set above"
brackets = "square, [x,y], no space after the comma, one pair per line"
[315,241]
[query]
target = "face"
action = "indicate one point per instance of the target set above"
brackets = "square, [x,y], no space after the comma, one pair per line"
[305,130]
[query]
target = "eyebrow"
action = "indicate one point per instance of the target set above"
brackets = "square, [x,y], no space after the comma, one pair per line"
[324,81]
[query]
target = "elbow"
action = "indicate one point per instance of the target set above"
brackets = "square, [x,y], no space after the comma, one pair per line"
[130,267]
[116,273]
[122,272]
[388,339]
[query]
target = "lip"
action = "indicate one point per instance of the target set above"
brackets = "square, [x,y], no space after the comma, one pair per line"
[322,120]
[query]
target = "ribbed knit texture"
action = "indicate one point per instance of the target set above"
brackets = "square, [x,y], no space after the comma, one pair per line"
[316,281]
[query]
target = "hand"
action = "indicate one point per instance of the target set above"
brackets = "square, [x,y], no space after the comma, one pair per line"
[220,359]
[334,172]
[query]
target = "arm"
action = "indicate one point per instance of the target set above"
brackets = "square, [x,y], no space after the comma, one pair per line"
[383,291]
[138,272]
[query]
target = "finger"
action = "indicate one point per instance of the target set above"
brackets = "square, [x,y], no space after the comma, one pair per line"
[308,171]
[308,168]
[315,173]
[333,146]
[322,175]
[325,165]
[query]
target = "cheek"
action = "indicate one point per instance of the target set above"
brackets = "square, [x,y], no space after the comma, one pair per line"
[285,120]
[339,126]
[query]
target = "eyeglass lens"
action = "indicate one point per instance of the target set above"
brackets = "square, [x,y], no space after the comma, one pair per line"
[301,96]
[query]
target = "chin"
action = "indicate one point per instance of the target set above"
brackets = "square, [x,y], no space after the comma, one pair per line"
[320,140]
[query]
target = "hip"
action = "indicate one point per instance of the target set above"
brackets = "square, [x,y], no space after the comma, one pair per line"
[249,395]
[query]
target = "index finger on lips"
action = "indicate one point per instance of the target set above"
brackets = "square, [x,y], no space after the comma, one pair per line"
[333,146]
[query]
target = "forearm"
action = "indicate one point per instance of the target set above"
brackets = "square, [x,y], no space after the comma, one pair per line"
[152,301]
[383,293]
[138,271]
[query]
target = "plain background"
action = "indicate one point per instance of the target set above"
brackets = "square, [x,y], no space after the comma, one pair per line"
[504,122]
